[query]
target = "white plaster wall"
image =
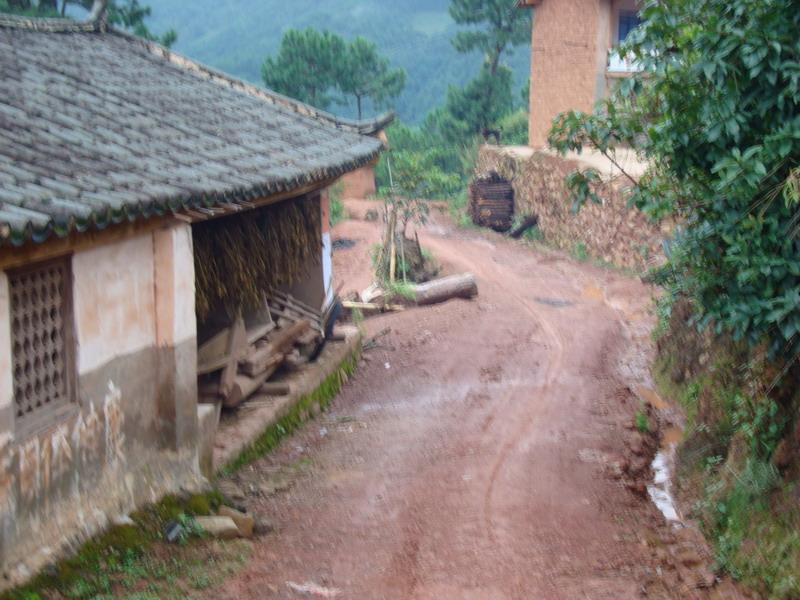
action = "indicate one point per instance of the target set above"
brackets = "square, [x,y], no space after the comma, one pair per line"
[174,280]
[186,321]
[327,266]
[6,376]
[114,300]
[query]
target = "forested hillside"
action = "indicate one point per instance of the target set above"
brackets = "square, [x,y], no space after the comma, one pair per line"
[237,35]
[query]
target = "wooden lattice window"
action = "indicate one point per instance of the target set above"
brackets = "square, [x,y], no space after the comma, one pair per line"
[41,334]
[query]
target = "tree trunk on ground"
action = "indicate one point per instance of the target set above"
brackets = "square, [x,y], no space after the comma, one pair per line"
[440,290]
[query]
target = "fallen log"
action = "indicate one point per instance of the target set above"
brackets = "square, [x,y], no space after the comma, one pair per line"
[244,386]
[440,290]
[276,388]
[372,306]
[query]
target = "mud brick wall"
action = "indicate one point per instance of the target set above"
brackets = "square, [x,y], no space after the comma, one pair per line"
[611,231]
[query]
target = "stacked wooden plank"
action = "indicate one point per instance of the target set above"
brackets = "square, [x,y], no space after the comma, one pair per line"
[491,202]
[236,362]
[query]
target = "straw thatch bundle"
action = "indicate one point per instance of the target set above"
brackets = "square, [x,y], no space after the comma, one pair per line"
[239,257]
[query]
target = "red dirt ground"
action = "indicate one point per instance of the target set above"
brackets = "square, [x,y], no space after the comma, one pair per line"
[476,454]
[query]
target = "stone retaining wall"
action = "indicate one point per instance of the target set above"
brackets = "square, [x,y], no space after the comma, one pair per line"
[611,231]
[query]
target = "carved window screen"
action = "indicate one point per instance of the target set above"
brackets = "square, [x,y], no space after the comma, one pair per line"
[41,337]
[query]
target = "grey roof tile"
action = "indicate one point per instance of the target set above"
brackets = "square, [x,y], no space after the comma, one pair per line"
[97,126]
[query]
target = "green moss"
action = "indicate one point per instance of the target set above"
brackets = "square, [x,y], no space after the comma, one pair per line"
[296,416]
[119,555]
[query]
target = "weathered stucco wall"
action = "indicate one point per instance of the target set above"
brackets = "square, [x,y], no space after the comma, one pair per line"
[113,301]
[359,184]
[568,53]
[610,231]
[131,436]
[315,288]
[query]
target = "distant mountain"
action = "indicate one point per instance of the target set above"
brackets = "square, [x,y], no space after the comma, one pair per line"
[236,35]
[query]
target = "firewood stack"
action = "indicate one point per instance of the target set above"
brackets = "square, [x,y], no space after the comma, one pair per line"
[237,361]
[491,202]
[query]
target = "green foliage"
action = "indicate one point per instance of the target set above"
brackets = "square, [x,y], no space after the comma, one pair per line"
[130,15]
[306,67]
[734,424]
[494,27]
[337,209]
[525,94]
[320,68]
[120,562]
[413,34]
[477,107]
[716,111]
[759,422]
[364,74]
[514,128]
[297,415]
[399,289]
[580,252]
[642,422]
[423,164]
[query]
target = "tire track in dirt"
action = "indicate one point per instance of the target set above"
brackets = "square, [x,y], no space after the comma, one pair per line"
[464,474]
[499,278]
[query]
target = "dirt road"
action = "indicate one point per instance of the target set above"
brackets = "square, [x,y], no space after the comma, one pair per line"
[477,453]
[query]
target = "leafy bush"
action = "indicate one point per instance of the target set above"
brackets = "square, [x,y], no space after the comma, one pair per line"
[514,128]
[716,112]
[422,164]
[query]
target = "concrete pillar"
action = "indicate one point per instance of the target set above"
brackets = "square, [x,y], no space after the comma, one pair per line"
[176,335]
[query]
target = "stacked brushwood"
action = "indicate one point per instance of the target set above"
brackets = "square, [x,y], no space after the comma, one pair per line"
[236,362]
[491,202]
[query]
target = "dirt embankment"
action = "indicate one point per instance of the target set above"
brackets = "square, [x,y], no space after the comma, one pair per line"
[485,449]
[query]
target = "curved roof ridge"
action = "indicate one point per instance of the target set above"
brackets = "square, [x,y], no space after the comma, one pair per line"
[364,127]
[51,24]
[99,25]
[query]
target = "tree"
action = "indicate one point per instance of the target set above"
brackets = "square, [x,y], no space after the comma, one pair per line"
[502,27]
[321,68]
[496,27]
[476,109]
[130,15]
[307,67]
[366,74]
[716,112]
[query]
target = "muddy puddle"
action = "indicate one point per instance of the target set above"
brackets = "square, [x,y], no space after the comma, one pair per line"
[663,465]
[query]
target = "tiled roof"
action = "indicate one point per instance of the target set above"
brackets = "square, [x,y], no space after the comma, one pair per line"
[99,127]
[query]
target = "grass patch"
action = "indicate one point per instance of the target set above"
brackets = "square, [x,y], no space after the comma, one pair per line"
[296,416]
[579,252]
[642,421]
[398,289]
[534,234]
[457,209]
[135,561]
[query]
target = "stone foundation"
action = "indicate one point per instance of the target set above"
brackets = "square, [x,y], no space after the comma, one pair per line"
[611,231]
